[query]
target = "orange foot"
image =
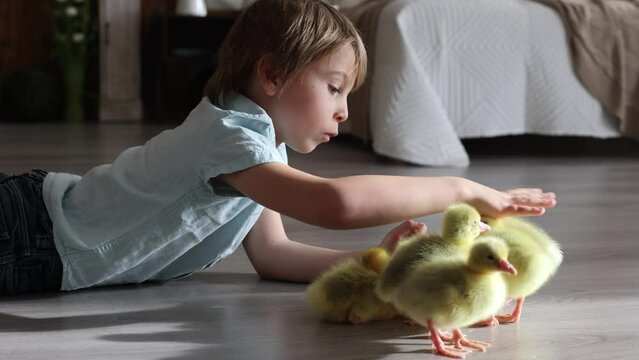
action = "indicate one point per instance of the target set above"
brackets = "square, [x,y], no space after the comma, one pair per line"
[492,321]
[438,343]
[445,337]
[451,352]
[514,317]
[461,341]
[507,318]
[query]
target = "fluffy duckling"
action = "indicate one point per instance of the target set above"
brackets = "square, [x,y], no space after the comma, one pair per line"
[346,292]
[461,225]
[533,252]
[449,293]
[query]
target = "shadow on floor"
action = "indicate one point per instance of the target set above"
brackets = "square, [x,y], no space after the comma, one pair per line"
[221,315]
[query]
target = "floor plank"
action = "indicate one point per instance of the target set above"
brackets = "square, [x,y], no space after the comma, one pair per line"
[587,311]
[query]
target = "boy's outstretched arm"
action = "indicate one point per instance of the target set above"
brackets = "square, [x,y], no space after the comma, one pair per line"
[370,200]
[276,257]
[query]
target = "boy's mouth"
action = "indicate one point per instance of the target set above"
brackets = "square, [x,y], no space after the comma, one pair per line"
[328,136]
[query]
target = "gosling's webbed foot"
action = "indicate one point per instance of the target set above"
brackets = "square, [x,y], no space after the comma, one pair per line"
[492,321]
[446,337]
[451,352]
[438,343]
[507,318]
[461,341]
[516,314]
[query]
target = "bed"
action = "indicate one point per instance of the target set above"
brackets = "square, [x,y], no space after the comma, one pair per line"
[446,70]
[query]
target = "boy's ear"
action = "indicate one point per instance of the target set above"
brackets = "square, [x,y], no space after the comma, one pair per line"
[269,82]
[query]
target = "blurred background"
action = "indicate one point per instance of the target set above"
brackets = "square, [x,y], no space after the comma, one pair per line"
[107,60]
[147,61]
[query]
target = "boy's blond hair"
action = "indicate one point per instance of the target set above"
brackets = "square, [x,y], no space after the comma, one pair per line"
[295,33]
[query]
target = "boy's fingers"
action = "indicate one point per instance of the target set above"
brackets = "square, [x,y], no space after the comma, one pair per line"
[531,192]
[536,211]
[519,210]
[418,227]
[534,200]
[409,227]
[405,229]
[399,231]
[525,190]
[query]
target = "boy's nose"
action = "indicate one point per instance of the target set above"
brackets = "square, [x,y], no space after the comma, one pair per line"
[342,115]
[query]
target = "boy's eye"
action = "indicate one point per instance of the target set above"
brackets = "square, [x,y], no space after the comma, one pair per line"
[333,90]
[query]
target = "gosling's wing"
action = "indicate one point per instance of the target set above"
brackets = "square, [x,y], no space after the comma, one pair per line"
[432,290]
[334,293]
[535,255]
[408,253]
[537,234]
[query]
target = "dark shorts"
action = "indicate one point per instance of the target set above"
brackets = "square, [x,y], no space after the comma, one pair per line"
[29,262]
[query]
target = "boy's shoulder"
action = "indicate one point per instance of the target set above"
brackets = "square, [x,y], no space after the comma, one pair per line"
[239,131]
[236,114]
[236,104]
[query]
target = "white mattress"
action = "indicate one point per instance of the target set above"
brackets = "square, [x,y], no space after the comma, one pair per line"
[451,69]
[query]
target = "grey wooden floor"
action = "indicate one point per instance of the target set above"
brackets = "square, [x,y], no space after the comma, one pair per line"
[590,310]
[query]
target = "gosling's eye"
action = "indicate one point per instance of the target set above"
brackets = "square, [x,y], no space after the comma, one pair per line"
[491,258]
[333,90]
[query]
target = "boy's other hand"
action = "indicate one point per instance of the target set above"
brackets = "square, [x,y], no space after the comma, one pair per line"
[407,228]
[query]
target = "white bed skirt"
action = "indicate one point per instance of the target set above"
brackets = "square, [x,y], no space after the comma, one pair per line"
[451,69]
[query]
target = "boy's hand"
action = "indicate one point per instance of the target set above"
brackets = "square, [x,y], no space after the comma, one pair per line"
[514,202]
[407,228]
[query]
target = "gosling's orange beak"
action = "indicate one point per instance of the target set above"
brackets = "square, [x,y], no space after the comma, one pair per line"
[483,227]
[505,266]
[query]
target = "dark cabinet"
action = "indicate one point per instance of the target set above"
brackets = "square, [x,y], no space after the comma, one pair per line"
[184,59]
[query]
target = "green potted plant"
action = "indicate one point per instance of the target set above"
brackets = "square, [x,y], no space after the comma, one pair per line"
[73,31]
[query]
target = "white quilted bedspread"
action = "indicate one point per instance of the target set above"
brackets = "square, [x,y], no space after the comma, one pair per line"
[451,69]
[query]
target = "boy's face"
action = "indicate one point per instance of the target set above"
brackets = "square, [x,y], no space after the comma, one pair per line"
[308,111]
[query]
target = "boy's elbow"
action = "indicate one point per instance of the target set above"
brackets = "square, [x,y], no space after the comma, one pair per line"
[263,273]
[264,266]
